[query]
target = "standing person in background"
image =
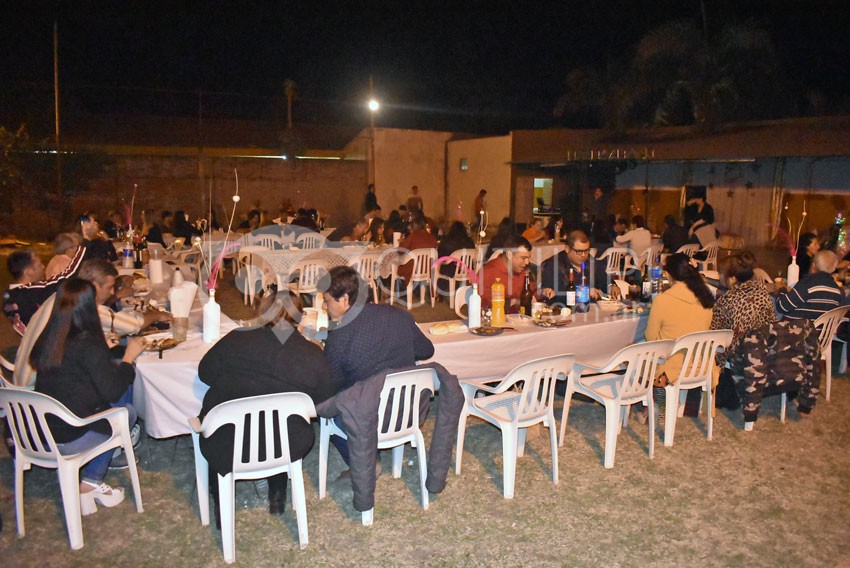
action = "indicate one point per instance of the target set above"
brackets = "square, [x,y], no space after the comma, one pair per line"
[414,202]
[598,208]
[370,203]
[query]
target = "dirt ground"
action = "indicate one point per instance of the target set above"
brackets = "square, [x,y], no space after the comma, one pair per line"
[776,496]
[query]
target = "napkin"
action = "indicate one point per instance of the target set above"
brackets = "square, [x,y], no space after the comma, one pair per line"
[182,297]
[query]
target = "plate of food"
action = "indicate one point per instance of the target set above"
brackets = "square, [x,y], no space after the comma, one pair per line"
[610,305]
[162,344]
[551,322]
[444,328]
[486,331]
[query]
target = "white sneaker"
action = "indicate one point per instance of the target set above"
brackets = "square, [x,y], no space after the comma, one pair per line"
[103,494]
[136,435]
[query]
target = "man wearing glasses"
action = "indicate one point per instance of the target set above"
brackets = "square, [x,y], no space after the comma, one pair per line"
[555,272]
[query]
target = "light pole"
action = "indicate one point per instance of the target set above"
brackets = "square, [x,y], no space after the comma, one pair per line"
[373,108]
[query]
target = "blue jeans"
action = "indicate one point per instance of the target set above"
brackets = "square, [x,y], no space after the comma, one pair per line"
[95,470]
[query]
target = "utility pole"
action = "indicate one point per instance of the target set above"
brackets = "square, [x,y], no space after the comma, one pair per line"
[59,192]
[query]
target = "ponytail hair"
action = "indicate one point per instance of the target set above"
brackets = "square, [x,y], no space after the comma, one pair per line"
[679,266]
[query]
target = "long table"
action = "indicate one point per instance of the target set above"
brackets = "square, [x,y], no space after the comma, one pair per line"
[592,337]
[167,391]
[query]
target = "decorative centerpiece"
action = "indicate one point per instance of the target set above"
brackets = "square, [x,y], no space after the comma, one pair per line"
[793,275]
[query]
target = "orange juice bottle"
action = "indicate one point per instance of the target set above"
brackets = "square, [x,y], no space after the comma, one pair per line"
[497,291]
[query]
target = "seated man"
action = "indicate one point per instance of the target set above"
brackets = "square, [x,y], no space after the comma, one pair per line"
[555,271]
[96,242]
[510,267]
[675,236]
[815,293]
[29,288]
[366,339]
[638,239]
[120,322]
[350,232]
[273,358]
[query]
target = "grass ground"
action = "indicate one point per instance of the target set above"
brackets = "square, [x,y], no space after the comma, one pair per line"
[776,496]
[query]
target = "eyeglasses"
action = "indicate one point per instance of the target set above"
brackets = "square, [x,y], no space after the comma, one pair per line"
[582,251]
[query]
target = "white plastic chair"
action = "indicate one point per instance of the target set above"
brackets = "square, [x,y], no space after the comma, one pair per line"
[461,298]
[620,261]
[710,262]
[467,257]
[652,252]
[689,250]
[514,410]
[271,242]
[696,373]
[24,374]
[27,413]
[828,325]
[269,412]
[367,267]
[401,393]
[310,240]
[422,260]
[310,271]
[252,272]
[624,380]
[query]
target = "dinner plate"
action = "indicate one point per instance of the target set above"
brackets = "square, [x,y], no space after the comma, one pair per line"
[162,344]
[551,323]
[486,331]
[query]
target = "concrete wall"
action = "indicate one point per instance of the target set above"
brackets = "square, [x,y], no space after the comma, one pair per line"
[334,187]
[488,168]
[405,158]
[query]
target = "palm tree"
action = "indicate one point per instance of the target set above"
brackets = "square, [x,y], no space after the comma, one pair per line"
[680,76]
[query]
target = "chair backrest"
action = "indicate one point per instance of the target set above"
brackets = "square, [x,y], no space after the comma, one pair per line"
[827,324]
[462,295]
[366,266]
[177,244]
[310,271]
[538,390]
[24,373]
[711,249]
[267,413]
[422,260]
[700,351]
[401,394]
[689,250]
[26,411]
[650,253]
[310,240]
[620,259]
[641,360]
[469,257]
[271,242]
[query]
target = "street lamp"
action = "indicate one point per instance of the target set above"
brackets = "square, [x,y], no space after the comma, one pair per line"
[373,108]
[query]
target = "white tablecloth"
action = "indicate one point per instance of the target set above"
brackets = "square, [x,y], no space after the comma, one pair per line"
[591,337]
[167,391]
[283,261]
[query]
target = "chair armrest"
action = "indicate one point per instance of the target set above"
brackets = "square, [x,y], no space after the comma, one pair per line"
[112,415]
[487,384]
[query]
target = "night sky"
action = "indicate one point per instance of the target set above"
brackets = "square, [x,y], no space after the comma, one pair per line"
[503,63]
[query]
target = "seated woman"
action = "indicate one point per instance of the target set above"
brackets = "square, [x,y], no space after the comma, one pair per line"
[376,232]
[535,233]
[684,308]
[75,367]
[747,306]
[272,358]
[807,247]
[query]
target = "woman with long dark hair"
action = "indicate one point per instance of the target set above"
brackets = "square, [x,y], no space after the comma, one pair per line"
[75,367]
[684,308]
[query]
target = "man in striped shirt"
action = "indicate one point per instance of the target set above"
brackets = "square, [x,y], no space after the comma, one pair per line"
[815,293]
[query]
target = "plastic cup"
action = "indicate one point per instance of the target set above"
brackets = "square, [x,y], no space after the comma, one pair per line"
[179,328]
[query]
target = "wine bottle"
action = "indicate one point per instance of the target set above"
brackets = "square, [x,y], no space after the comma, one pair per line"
[571,290]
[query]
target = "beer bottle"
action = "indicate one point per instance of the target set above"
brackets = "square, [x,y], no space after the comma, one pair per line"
[526,297]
